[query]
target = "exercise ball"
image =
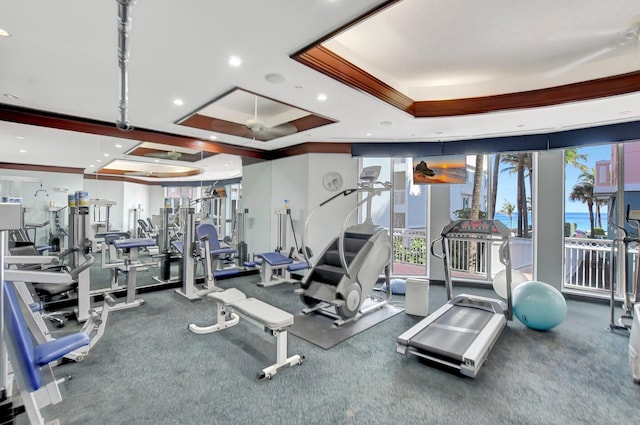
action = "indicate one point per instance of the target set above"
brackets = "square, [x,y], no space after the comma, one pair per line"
[500,281]
[539,305]
[398,286]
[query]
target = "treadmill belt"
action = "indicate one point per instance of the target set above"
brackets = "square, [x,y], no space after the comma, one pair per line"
[452,333]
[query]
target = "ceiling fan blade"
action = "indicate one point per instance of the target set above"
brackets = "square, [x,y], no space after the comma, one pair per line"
[275,132]
[173,155]
[580,61]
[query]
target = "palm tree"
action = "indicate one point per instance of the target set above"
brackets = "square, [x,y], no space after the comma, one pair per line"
[573,158]
[583,192]
[494,183]
[508,208]
[477,188]
[521,164]
[475,208]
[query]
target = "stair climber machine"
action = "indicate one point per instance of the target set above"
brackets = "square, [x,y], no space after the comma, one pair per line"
[342,279]
[461,333]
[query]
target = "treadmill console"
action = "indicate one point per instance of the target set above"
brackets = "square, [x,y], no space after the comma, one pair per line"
[476,227]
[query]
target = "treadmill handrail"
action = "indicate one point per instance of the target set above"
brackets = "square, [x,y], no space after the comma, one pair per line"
[433,252]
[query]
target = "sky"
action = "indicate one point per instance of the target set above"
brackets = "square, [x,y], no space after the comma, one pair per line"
[507,182]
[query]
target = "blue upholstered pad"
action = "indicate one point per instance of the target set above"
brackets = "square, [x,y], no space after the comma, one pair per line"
[298,266]
[275,258]
[31,357]
[58,348]
[133,243]
[225,272]
[222,251]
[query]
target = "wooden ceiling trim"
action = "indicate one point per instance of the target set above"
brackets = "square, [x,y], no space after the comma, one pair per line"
[310,121]
[83,125]
[586,90]
[327,62]
[312,147]
[42,168]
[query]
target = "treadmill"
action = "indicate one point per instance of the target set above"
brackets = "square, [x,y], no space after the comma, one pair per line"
[461,333]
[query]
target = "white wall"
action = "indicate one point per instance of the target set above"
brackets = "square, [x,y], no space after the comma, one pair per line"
[37,207]
[298,179]
[327,222]
[107,190]
[438,216]
[135,196]
[548,216]
[256,196]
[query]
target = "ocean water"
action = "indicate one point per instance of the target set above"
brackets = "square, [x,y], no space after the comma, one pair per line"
[581,219]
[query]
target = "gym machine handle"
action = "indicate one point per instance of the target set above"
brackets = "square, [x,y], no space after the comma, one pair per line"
[345,192]
[433,245]
[89,259]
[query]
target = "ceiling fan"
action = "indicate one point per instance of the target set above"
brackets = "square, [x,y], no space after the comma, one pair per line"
[261,131]
[172,155]
[151,174]
[625,40]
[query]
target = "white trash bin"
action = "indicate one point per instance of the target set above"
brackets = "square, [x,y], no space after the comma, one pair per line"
[417,297]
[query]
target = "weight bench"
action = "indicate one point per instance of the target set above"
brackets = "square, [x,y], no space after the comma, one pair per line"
[130,267]
[27,359]
[276,268]
[233,303]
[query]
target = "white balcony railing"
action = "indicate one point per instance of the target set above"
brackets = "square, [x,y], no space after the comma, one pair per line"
[587,261]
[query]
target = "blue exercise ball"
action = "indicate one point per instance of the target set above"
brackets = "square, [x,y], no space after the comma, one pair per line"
[539,305]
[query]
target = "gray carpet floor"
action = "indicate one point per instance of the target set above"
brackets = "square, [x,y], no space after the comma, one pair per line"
[149,369]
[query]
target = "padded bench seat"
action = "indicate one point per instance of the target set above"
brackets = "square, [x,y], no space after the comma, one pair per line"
[233,303]
[133,243]
[253,308]
[276,268]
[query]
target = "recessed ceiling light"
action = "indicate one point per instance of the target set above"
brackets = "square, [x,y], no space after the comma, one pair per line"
[235,61]
[22,151]
[118,145]
[385,123]
[20,137]
[369,134]
[98,160]
[4,33]
[178,102]
[213,137]
[624,113]
[275,78]
[106,154]
[11,96]
[156,160]
[321,97]
[91,165]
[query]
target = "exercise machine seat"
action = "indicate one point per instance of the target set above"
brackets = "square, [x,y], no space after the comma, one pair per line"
[270,316]
[208,229]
